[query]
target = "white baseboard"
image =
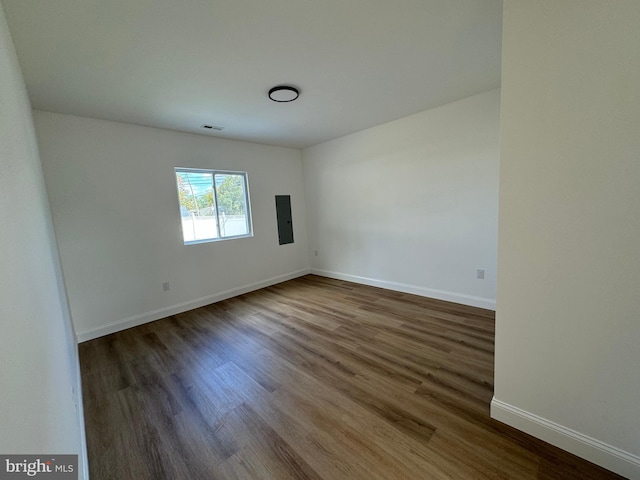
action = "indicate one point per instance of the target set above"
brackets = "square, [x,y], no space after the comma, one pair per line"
[454,297]
[184,306]
[83,459]
[591,449]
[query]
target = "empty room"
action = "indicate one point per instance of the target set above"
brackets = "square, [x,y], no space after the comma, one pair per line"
[320,240]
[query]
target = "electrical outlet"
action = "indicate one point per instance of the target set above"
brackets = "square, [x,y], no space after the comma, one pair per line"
[316,253]
[480,274]
[166,287]
[73,396]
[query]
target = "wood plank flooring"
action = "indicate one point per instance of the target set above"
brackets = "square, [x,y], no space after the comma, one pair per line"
[309,379]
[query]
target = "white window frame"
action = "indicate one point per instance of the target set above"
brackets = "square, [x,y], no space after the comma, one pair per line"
[247,199]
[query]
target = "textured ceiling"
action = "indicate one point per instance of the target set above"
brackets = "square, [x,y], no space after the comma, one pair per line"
[181,64]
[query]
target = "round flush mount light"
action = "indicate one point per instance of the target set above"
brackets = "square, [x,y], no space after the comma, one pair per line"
[283,93]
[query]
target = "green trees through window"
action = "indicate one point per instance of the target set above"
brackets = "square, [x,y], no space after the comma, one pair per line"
[213,204]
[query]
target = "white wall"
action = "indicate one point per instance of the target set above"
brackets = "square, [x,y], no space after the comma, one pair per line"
[38,357]
[568,310]
[115,210]
[412,204]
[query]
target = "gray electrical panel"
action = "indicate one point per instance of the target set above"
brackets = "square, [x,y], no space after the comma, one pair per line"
[283,213]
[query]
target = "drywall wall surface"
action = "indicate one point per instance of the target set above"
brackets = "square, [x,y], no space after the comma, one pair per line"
[115,209]
[39,388]
[568,306]
[412,204]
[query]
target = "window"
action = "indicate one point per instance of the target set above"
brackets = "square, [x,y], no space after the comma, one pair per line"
[214,205]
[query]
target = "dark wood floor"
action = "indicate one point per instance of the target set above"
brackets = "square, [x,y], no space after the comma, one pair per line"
[310,379]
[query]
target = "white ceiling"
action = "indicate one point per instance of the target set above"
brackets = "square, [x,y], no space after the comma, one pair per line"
[179,64]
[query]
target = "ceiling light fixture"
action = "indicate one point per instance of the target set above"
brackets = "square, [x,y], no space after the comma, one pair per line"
[283,93]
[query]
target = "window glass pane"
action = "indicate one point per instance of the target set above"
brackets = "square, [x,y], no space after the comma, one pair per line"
[197,205]
[214,205]
[232,204]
